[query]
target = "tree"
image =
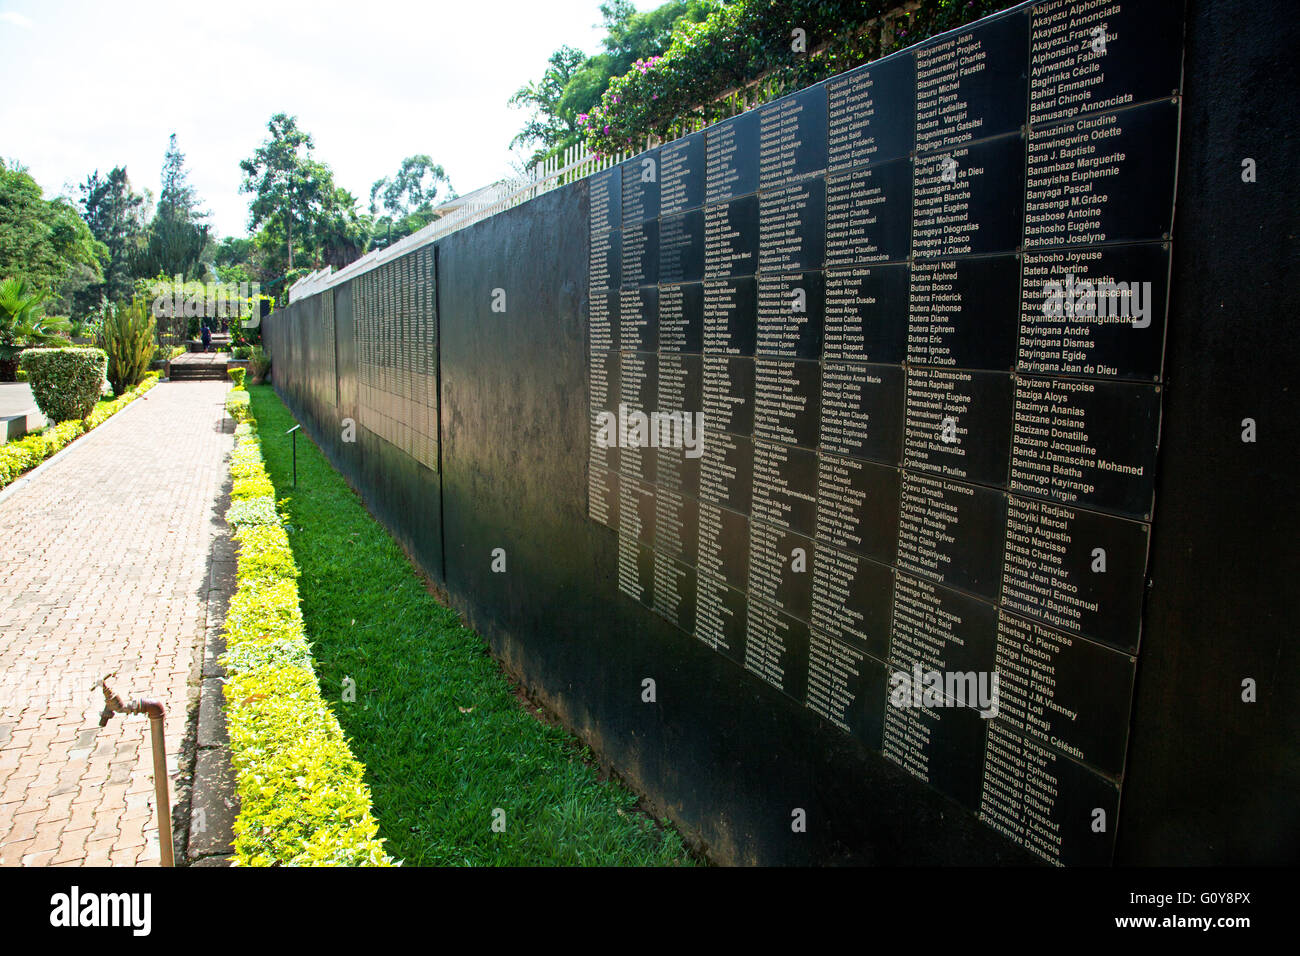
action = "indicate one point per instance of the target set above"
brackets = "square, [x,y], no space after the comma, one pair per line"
[287,184]
[177,200]
[632,36]
[234,260]
[416,185]
[407,198]
[573,83]
[340,233]
[550,124]
[115,214]
[300,219]
[42,241]
[178,236]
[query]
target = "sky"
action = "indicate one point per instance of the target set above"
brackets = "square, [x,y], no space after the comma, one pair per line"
[94,85]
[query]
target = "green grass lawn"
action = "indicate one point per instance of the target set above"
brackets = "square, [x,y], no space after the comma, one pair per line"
[444,740]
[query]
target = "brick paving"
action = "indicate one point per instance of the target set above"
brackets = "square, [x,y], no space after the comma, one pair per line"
[103,567]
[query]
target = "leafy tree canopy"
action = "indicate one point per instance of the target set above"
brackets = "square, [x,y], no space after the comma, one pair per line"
[415,186]
[177,241]
[573,83]
[115,214]
[42,242]
[298,213]
[749,51]
[407,199]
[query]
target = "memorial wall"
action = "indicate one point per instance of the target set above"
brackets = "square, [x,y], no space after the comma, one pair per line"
[850,421]
[929,424]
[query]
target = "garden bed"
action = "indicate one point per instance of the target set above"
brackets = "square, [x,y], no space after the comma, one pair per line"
[303,799]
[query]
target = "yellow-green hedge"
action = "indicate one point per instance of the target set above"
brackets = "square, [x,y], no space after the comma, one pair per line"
[303,797]
[237,405]
[25,454]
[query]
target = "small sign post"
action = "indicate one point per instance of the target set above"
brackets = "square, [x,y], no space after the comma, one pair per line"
[294,432]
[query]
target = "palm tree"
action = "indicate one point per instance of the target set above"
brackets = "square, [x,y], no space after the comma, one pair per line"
[22,323]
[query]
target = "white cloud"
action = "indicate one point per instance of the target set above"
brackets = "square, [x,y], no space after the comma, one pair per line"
[17,19]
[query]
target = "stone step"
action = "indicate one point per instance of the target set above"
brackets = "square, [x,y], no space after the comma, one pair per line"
[196,373]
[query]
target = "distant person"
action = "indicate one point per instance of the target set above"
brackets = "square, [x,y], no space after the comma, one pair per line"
[207,337]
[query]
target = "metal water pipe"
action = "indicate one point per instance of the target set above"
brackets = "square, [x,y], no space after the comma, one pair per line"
[113,705]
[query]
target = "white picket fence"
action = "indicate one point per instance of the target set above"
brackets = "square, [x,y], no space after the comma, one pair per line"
[572,165]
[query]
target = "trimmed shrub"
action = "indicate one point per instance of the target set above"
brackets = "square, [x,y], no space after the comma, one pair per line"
[65,382]
[128,335]
[252,511]
[303,800]
[237,376]
[237,406]
[241,467]
[19,456]
[267,556]
[252,487]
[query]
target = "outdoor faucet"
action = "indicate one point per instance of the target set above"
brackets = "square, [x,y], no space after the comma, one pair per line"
[113,705]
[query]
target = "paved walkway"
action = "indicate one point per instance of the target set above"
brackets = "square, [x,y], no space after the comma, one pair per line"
[103,567]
